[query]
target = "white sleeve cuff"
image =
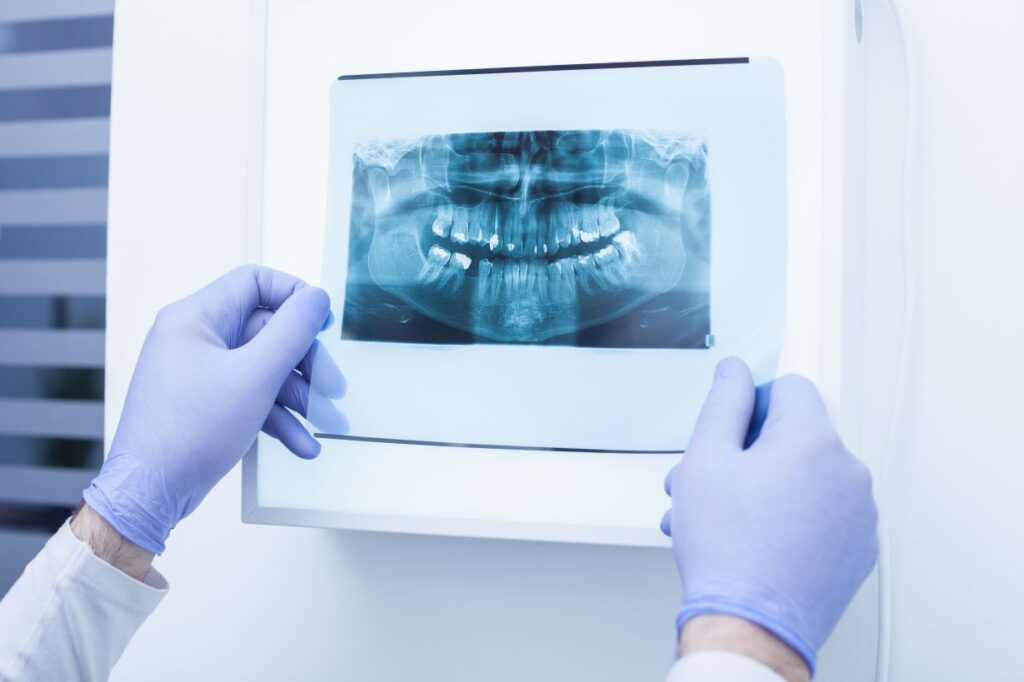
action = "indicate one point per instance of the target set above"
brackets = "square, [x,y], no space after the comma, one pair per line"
[70,614]
[97,574]
[720,666]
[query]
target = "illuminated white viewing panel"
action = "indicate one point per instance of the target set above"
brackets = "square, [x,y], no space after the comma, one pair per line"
[530,301]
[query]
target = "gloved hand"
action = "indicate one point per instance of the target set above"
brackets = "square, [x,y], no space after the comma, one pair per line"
[215,368]
[782,533]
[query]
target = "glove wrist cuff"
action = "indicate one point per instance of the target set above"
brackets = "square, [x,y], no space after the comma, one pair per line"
[137,526]
[705,606]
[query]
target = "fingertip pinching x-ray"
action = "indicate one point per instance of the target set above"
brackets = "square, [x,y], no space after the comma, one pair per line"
[590,238]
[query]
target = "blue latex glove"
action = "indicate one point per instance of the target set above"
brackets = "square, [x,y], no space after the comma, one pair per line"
[782,533]
[215,368]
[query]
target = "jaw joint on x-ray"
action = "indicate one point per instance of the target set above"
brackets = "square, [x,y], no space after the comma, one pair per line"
[518,237]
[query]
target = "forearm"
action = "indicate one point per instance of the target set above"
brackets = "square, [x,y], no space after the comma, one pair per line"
[719,633]
[109,545]
[71,613]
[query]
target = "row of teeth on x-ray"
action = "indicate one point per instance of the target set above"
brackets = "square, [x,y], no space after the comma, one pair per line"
[503,230]
[605,269]
[526,235]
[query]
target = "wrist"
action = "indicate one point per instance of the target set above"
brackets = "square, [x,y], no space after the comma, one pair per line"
[134,500]
[714,632]
[109,545]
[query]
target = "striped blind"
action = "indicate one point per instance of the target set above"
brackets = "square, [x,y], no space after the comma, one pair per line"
[55,62]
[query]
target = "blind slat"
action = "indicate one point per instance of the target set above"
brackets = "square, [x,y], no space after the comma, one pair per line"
[31,10]
[71,101]
[51,418]
[52,348]
[53,277]
[54,69]
[55,74]
[54,172]
[55,138]
[65,33]
[39,485]
[53,207]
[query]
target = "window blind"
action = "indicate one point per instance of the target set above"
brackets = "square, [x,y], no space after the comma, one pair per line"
[55,64]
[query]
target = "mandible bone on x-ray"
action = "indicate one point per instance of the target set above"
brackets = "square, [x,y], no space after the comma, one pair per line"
[521,236]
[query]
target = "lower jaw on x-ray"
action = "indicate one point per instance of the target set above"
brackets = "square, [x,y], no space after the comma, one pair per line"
[593,238]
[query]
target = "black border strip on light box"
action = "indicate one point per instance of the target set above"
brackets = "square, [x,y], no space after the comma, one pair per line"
[552,67]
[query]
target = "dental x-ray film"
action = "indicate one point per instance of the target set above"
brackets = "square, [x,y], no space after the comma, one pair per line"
[551,258]
[595,238]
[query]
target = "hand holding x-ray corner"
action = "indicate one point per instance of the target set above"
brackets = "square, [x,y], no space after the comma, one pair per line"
[781,533]
[216,368]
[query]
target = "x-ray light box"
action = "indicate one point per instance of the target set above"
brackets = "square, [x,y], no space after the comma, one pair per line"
[534,270]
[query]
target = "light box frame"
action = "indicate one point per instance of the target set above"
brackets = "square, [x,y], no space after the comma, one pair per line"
[824,256]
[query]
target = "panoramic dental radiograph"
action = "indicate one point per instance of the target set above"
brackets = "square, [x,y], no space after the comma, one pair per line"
[597,238]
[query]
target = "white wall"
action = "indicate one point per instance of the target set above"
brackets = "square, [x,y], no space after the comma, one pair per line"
[269,603]
[958,526]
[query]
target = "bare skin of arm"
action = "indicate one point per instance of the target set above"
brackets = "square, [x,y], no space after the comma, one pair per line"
[735,635]
[109,545]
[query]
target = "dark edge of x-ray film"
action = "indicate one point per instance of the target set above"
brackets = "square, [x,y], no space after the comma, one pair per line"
[713,61]
[590,238]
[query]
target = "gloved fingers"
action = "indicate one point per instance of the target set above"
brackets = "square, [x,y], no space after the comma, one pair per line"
[666,523]
[668,480]
[725,417]
[308,360]
[320,369]
[294,394]
[326,417]
[793,397]
[318,362]
[282,425]
[259,319]
[256,286]
[287,336]
[762,398]
[228,302]
[328,322]
[255,323]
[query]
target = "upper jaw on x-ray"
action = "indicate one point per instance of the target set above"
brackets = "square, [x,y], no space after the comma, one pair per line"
[518,237]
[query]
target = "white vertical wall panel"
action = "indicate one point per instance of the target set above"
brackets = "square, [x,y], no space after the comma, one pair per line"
[957,508]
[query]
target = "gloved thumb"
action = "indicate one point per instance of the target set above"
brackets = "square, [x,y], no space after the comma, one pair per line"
[287,336]
[725,417]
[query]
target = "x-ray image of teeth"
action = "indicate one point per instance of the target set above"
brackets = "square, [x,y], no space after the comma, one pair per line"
[596,238]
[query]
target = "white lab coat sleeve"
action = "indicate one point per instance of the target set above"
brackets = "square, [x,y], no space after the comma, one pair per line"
[720,666]
[71,614]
